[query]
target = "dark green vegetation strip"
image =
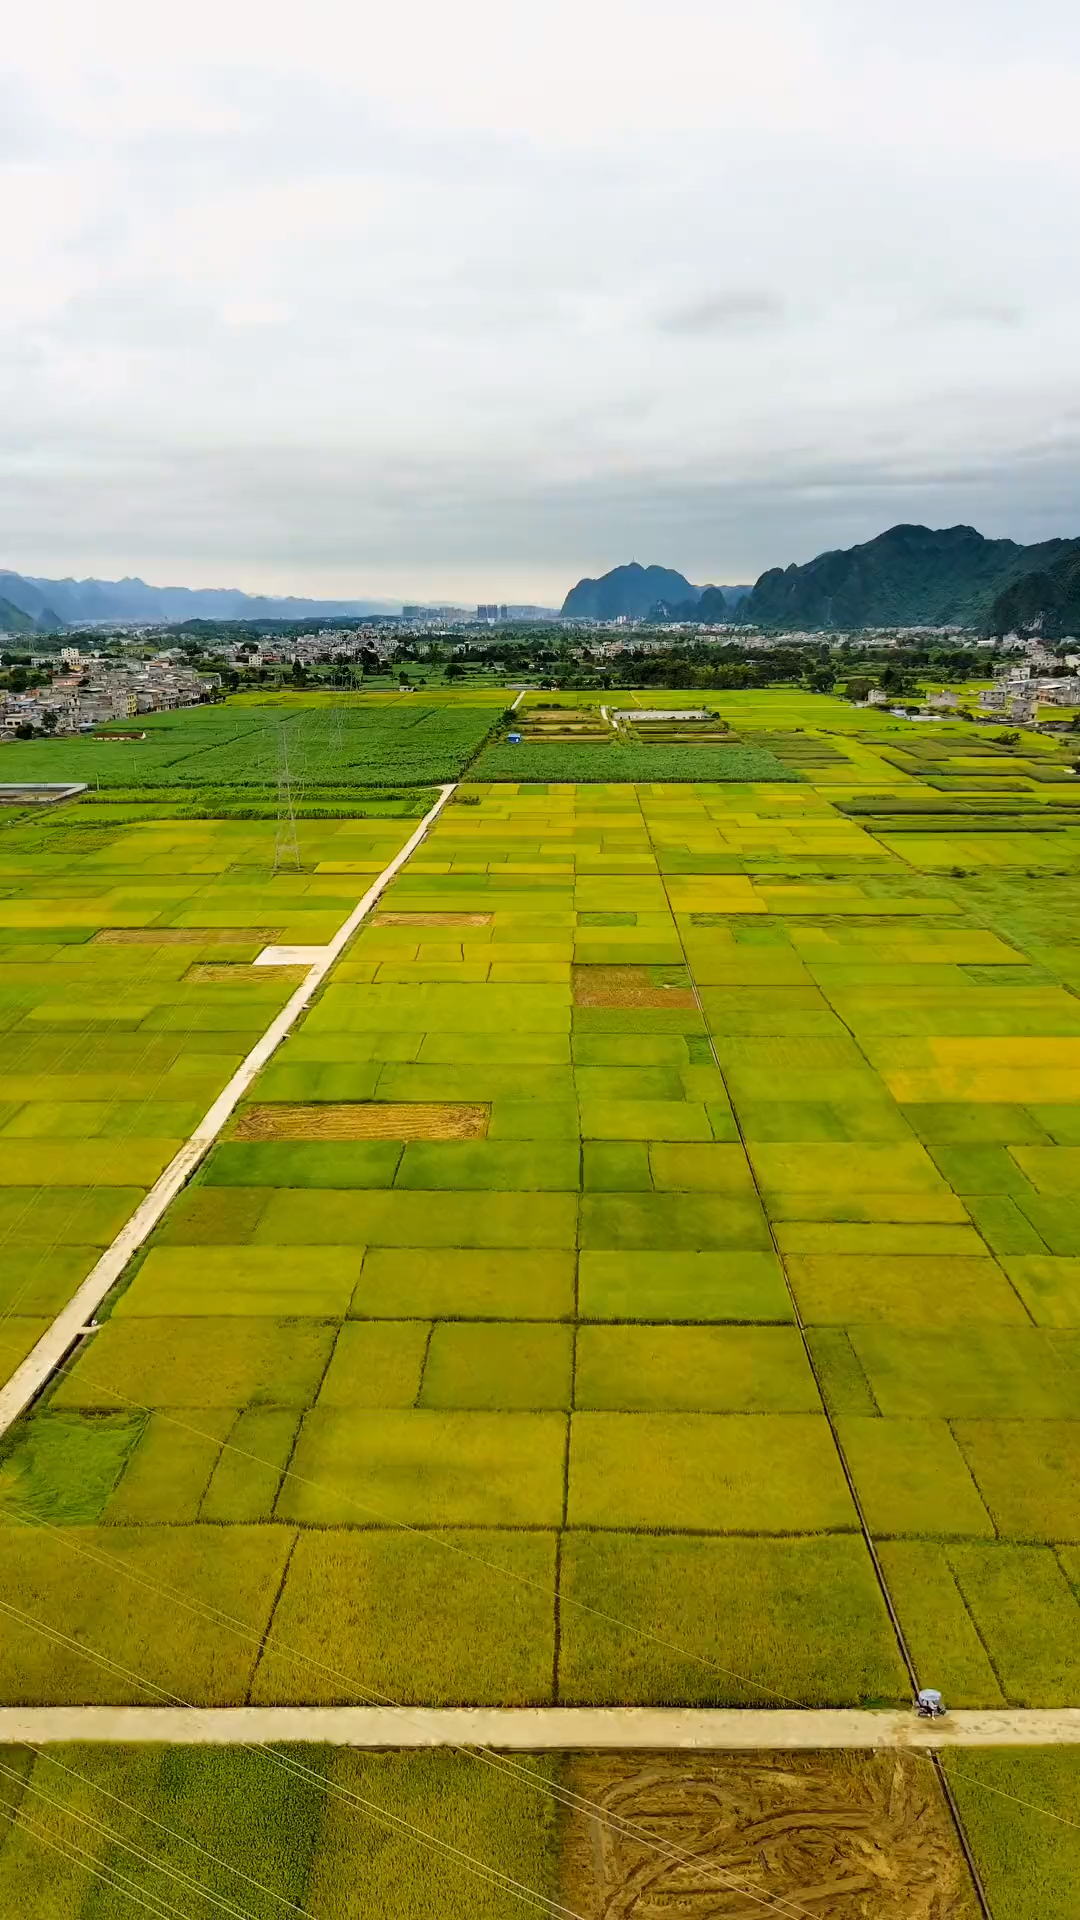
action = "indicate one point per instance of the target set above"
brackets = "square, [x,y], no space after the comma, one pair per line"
[301,1832]
[361,745]
[619,762]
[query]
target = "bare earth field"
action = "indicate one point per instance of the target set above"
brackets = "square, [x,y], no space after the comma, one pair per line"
[846,1837]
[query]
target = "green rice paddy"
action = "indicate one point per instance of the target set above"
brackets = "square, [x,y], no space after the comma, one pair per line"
[777,1155]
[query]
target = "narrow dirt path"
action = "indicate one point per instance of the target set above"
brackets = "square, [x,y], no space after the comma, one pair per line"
[554,1729]
[56,1343]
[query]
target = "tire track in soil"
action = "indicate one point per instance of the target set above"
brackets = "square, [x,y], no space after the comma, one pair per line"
[837,1836]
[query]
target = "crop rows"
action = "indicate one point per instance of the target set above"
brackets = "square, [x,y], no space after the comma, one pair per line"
[247,746]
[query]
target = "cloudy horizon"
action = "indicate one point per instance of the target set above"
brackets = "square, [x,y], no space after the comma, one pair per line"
[468,303]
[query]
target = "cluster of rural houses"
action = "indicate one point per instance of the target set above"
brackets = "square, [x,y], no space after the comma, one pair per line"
[89,691]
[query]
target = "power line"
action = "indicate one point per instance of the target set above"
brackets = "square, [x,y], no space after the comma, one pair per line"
[117,1840]
[80,1856]
[275,1757]
[778,1904]
[632,1629]
[169,1417]
[48,1758]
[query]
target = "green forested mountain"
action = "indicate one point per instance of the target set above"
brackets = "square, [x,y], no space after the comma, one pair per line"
[1045,601]
[909,576]
[632,591]
[14,620]
[714,606]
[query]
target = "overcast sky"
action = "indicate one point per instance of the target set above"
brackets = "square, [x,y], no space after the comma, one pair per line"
[471,299]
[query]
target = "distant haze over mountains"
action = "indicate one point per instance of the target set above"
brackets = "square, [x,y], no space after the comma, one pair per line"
[909,576]
[50,603]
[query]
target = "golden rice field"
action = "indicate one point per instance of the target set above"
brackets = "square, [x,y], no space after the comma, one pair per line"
[657,1247]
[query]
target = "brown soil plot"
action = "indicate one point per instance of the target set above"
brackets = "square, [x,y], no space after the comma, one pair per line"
[631,987]
[186,936]
[235,973]
[838,1836]
[432,920]
[363,1120]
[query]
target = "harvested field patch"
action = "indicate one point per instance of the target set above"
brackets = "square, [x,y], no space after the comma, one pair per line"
[856,1836]
[432,919]
[236,973]
[187,937]
[632,987]
[364,1120]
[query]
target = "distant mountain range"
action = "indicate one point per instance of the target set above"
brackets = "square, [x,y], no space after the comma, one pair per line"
[53,604]
[13,619]
[626,592]
[714,607]
[1045,601]
[907,577]
[635,592]
[910,576]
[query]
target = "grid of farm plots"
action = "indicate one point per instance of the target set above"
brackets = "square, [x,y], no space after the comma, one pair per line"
[470,1369]
[127,999]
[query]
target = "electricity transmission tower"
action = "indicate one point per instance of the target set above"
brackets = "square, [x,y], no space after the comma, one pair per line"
[337,739]
[286,845]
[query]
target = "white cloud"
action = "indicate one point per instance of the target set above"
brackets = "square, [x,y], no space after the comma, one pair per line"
[525,290]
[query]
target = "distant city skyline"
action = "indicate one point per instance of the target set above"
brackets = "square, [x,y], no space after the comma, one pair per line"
[464,305]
